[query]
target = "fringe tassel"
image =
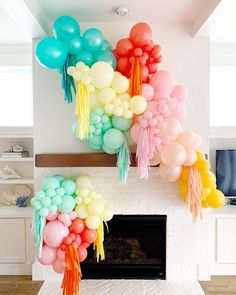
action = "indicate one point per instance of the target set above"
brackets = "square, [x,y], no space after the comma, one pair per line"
[72,273]
[38,224]
[123,161]
[143,152]
[82,110]
[135,78]
[67,81]
[98,244]
[195,194]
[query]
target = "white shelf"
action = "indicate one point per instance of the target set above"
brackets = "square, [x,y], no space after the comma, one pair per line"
[15,212]
[28,159]
[17,181]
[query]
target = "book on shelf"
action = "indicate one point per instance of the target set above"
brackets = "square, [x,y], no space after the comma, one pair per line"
[23,154]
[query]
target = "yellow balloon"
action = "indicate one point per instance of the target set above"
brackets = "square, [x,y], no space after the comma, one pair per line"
[106,95]
[183,190]
[184,175]
[202,165]
[120,84]
[81,211]
[107,214]
[96,207]
[138,104]
[101,74]
[93,100]
[118,111]
[204,204]
[109,108]
[208,179]
[216,199]
[93,222]
[84,181]
[207,191]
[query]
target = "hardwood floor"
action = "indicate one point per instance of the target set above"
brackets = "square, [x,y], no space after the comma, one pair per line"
[220,285]
[19,285]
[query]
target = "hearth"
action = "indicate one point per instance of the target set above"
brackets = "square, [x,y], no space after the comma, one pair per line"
[135,248]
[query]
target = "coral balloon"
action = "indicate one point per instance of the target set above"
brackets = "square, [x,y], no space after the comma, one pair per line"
[123,65]
[77,226]
[124,47]
[140,34]
[54,233]
[173,155]
[82,253]
[48,255]
[89,236]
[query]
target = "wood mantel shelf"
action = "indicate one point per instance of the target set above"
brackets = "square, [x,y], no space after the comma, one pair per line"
[78,160]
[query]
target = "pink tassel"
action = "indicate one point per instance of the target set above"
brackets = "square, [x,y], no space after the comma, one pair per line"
[142,153]
[195,194]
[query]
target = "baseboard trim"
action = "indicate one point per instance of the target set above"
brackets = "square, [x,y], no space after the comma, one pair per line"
[204,272]
[15,269]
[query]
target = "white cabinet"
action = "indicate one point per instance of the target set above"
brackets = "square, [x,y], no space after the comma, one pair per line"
[13,240]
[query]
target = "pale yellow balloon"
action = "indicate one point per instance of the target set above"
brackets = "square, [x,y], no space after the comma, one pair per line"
[128,114]
[86,80]
[107,214]
[124,96]
[84,181]
[109,108]
[96,207]
[84,192]
[116,102]
[106,95]
[117,74]
[78,200]
[118,111]
[93,100]
[81,211]
[101,74]
[138,104]
[87,200]
[77,75]
[93,222]
[120,84]
[71,70]
[125,105]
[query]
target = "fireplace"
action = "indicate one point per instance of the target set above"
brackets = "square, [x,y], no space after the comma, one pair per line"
[135,248]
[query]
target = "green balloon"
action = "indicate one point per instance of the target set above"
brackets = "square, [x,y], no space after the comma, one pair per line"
[52,208]
[96,140]
[98,131]
[121,123]
[43,212]
[106,126]
[99,111]
[40,195]
[56,200]
[109,151]
[60,191]
[95,147]
[50,183]
[50,193]
[59,177]
[46,202]
[69,186]
[107,56]
[36,204]
[113,138]
[93,40]
[67,204]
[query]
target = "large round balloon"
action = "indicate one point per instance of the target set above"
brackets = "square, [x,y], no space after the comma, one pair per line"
[84,56]
[107,56]
[101,74]
[54,233]
[140,34]
[51,53]
[93,40]
[113,138]
[64,26]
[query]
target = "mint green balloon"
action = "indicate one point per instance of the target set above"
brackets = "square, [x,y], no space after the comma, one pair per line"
[109,150]
[106,126]
[60,191]
[121,123]
[40,195]
[113,138]
[52,208]
[46,202]
[56,200]
[67,204]
[69,186]
[96,140]
[95,147]
[50,183]
[59,177]
[50,193]
[43,212]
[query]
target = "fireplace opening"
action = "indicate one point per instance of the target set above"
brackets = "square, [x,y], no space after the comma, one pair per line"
[135,248]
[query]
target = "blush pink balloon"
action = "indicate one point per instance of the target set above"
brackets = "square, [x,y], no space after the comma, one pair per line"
[52,216]
[134,132]
[173,154]
[163,81]
[61,255]
[48,255]
[191,157]
[73,215]
[82,253]
[152,107]
[173,128]
[59,266]
[147,91]
[180,92]
[54,233]
[179,114]
[65,219]
[170,174]
[186,139]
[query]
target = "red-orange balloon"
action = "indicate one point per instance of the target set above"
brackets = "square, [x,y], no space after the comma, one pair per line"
[77,226]
[82,253]
[123,65]
[140,34]
[124,47]
[144,71]
[156,51]
[152,67]
[89,236]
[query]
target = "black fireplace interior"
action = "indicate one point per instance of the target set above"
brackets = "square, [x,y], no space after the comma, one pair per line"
[135,248]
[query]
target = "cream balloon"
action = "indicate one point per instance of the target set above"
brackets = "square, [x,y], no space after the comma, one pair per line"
[81,211]
[186,139]
[173,128]
[96,207]
[170,174]
[93,222]
[107,214]
[93,101]
[173,154]
[138,104]
[84,181]
[106,95]
[191,157]
[101,74]
[120,84]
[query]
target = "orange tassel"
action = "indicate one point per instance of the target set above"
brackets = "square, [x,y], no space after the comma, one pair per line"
[135,78]
[72,273]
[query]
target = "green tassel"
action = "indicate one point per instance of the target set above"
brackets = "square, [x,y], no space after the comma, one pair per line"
[123,161]
[38,224]
[67,81]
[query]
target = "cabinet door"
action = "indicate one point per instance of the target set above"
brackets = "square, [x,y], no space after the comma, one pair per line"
[12,245]
[226,240]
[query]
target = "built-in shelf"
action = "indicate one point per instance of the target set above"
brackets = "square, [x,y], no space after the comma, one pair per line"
[78,160]
[29,159]
[16,212]
[17,181]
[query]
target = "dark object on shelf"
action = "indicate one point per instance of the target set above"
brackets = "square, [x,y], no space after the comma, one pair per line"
[21,201]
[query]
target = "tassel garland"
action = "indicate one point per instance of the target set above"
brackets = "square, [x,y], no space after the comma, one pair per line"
[123,161]
[135,77]
[38,224]
[98,244]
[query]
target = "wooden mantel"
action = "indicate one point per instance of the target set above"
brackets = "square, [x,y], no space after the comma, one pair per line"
[78,160]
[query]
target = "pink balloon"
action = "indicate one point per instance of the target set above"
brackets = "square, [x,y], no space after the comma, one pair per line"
[54,233]
[173,128]
[52,216]
[147,91]
[170,174]
[173,154]
[134,132]
[48,255]
[180,92]
[61,255]
[59,266]
[186,139]
[152,107]
[191,157]
[179,114]
[65,219]
[163,81]
[73,215]
[82,253]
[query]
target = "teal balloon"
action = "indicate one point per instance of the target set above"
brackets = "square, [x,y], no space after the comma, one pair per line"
[74,44]
[85,56]
[113,138]
[64,26]
[121,123]
[69,186]
[43,212]
[50,183]
[107,56]
[40,195]
[59,177]
[51,53]
[106,126]
[95,147]
[107,45]
[52,208]
[93,40]
[50,193]
[109,150]
[96,140]
[67,204]
[74,129]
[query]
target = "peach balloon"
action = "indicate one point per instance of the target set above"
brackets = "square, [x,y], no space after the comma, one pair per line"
[187,139]
[156,160]
[59,266]
[173,128]
[191,157]
[173,154]
[147,91]
[170,174]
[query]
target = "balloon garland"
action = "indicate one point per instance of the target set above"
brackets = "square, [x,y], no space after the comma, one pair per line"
[68,217]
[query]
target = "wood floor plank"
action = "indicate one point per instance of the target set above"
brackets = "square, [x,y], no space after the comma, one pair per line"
[220,285]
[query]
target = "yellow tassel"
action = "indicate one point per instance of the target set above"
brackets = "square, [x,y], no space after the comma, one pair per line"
[100,253]
[82,110]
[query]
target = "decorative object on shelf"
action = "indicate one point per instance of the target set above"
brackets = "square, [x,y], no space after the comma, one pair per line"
[69,217]
[21,201]
[15,150]
[8,173]
[11,196]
